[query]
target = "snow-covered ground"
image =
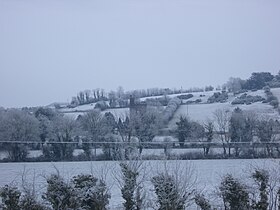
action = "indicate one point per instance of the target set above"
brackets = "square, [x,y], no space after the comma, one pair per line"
[276,92]
[85,107]
[198,112]
[207,173]
[203,112]
[117,112]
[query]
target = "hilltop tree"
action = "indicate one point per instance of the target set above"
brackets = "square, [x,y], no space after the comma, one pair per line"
[258,80]
[234,84]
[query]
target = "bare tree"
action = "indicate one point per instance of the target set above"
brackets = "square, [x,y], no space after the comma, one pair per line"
[222,120]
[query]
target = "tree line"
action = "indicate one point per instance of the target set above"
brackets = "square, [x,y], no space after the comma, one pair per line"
[57,136]
[120,97]
[232,127]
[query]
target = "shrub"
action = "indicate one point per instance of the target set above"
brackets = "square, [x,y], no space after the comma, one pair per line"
[234,193]
[171,108]
[102,105]
[91,192]
[131,191]
[202,202]
[28,202]
[274,103]
[185,97]
[59,194]
[10,198]
[247,99]
[218,97]
[261,177]
[168,193]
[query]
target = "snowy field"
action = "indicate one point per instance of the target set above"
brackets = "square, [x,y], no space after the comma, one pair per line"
[206,173]
[203,112]
[276,92]
[117,112]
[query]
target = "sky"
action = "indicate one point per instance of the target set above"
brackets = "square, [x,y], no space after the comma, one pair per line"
[51,49]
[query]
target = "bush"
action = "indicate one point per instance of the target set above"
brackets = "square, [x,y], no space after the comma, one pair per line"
[234,193]
[168,193]
[59,194]
[185,97]
[83,192]
[91,192]
[218,97]
[10,198]
[271,99]
[102,105]
[28,202]
[202,202]
[274,103]
[131,191]
[261,177]
[171,108]
[247,99]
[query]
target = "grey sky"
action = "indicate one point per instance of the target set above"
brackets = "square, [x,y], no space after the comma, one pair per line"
[51,49]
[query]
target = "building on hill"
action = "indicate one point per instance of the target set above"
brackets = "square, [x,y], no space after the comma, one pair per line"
[136,107]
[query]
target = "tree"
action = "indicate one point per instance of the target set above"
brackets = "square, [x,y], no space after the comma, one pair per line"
[183,130]
[234,194]
[92,193]
[168,196]
[258,80]
[174,185]
[87,96]
[237,126]
[10,197]
[81,98]
[92,124]
[265,133]
[145,125]
[222,119]
[209,132]
[242,127]
[197,131]
[131,188]
[261,177]
[202,202]
[62,134]
[45,117]
[234,84]
[18,127]
[60,194]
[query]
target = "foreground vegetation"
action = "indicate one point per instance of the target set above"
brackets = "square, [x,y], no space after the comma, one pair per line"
[173,187]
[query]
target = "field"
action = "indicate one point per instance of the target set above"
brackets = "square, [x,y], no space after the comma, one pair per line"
[203,112]
[206,173]
[198,112]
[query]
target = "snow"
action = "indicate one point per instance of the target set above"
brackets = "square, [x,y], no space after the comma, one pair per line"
[276,92]
[85,107]
[202,112]
[207,172]
[117,112]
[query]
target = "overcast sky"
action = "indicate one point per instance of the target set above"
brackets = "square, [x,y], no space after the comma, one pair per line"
[51,49]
